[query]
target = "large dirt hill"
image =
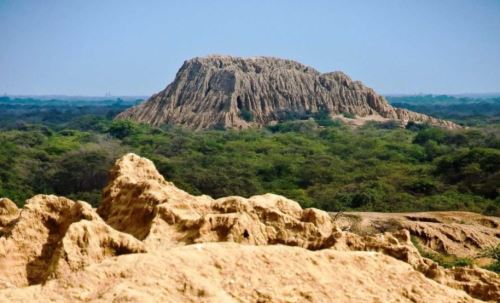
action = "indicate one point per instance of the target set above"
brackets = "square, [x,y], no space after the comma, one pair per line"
[232,92]
[152,242]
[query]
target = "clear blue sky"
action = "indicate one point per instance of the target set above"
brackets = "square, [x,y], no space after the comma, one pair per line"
[90,47]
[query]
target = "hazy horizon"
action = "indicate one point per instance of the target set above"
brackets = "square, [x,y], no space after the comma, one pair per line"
[112,96]
[126,48]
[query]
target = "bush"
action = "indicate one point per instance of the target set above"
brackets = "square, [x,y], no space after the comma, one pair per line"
[475,170]
[349,115]
[415,127]
[324,119]
[494,253]
[430,134]
[246,115]
[446,261]
[122,128]
[83,170]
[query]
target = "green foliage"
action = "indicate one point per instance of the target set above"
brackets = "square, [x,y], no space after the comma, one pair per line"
[414,126]
[494,253]
[57,113]
[323,119]
[83,170]
[471,111]
[122,128]
[494,267]
[318,162]
[349,115]
[475,170]
[447,261]
[246,115]
[430,134]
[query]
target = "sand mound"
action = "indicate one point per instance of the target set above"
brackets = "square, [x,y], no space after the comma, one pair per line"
[152,242]
[53,236]
[228,272]
[140,202]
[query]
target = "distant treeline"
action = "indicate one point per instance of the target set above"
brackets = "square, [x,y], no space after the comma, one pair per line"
[57,112]
[465,110]
[73,101]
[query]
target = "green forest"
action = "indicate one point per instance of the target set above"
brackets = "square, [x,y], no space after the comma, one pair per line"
[317,162]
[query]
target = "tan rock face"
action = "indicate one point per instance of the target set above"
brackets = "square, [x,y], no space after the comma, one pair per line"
[140,202]
[8,212]
[152,242]
[53,236]
[229,272]
[167,217]
[479,283]
[218,91]
[462,234]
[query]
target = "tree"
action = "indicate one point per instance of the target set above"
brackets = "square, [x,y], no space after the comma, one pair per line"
[84,170]
[122,128]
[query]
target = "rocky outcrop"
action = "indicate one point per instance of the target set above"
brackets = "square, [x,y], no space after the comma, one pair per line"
[140,202]
[478,283]
[8,212]
[53,236]
[462,234]
[152,242]
[232,92]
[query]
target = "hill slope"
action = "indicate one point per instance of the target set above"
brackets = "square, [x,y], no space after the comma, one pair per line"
[232,92]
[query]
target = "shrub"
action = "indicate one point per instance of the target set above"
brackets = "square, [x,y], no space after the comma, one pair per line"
[246,115]
[494,253]
[122,128]
[430,134]
[349,115]
[446,261]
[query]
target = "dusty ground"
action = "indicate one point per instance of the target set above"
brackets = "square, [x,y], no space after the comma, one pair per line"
[462,234]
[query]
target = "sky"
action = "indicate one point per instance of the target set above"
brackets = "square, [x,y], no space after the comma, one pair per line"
[94,47]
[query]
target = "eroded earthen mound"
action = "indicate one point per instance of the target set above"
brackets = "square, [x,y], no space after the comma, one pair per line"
[229,272]
[53,236]
[150,241]
[140,202]
[233,92]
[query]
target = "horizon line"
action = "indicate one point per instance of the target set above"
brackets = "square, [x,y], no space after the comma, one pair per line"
[147,96]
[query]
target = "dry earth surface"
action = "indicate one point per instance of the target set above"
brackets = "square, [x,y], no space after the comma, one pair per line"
[462,234]
[152,242]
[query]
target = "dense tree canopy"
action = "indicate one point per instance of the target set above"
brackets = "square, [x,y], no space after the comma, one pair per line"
[317,162]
